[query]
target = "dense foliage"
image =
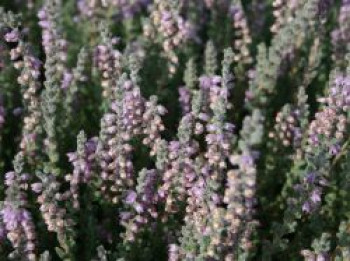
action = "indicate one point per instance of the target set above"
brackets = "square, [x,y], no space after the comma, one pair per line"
[174,130]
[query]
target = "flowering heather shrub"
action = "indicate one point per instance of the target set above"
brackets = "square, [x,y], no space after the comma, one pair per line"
[174,130]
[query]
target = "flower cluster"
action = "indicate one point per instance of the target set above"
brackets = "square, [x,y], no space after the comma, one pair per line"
[242,33]
[174,130]
[330,125]
[340,35]
[173,30]
[83,161]
[108,61]
[17,221]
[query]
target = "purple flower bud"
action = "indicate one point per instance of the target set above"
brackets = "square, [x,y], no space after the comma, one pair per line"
[12,36]
[306,207]
[67,80]
[131,197]
[37,187]
[334,149]
[316,196]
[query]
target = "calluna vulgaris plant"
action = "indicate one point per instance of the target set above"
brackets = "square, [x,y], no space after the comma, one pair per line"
[174,130]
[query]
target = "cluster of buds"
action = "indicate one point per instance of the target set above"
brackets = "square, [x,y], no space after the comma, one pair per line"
[114,154]
[206,99]
[52,40]
[186,92]
[17,220]
[152,124]
[174,187]
[219,135]
[143,203]
[201,99]
[327,124]
[83,161]
[202,235]
[310,191]
[218,140]
[217,224]
[55,48]
[284,13]
[241,186]
[133,108]
[330,125]
[340,35]
[108,61]
[286,128]
[198,206]
[50,199]
[30,75]
[291,124]
[29,79]
[185,99]
[326,135]
[188,149]
[242,34]
[172,29]
[235,203]
[204,214]
[171,189]
[242,202]
[114,150]
[19,227]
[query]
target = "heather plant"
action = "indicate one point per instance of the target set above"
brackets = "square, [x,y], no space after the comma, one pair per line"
[174,130]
